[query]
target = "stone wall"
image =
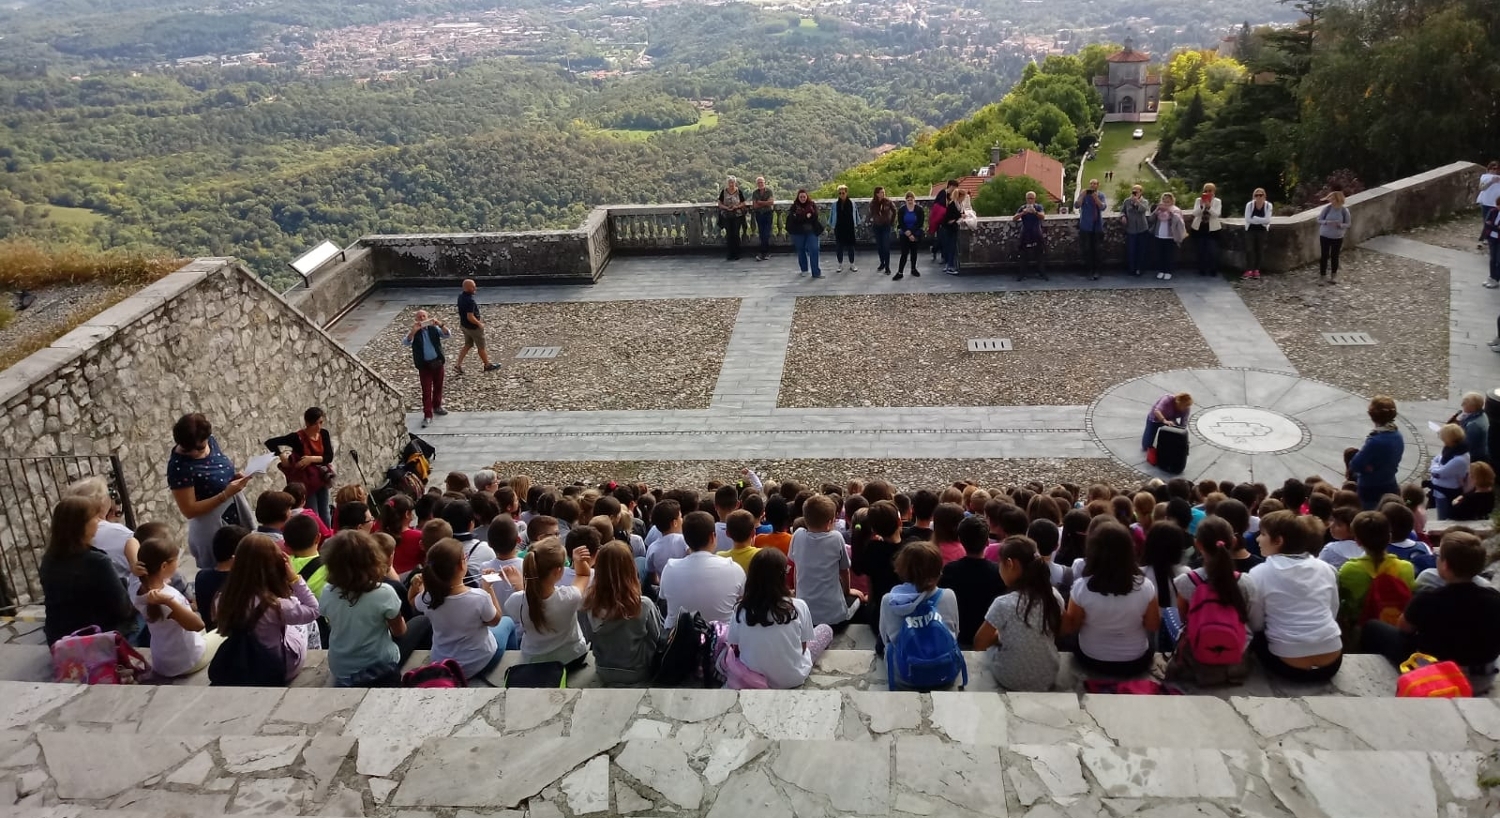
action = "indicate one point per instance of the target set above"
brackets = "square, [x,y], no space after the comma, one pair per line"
[336,286]
[211,338]
[531,257]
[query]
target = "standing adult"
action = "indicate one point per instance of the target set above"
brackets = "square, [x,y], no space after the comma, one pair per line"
[1257,224]
[1167,231]
[1090,207]
[426,342]
[310,461]
[732,208]
[882,220]
[1033,240]
[1208,209]
[958,206]
[909,223]
[472,327]
[1134,214]
[1476,426]
[1492,237]
[1375,465]
[936,215]
[205,485]
[1450,469]
[805,227]
[1489,195]
[763,205]
[1333,223]
[1169,410]
[841,219]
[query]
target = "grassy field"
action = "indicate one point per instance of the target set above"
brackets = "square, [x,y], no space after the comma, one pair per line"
[1120,154]
[82,217]
[708,119]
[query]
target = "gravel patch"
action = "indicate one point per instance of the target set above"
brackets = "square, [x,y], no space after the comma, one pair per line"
[1402,303]
[911,350]
[1460,232]
[909,475]
[55,311]
[615,355]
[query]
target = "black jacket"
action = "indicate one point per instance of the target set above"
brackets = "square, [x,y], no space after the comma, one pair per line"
[803,219]
[293,441]
[83,589]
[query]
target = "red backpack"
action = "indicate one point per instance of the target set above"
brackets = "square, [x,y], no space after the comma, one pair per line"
[1387,598]
[1215,632]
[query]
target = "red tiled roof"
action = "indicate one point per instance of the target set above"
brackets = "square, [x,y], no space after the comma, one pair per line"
[1035,164]
[1128,56]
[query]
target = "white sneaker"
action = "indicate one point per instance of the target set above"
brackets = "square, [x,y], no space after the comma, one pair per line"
[1491,284]
[841,266]
[1160,276]
[1495,343]
[1166,276]
[852,268]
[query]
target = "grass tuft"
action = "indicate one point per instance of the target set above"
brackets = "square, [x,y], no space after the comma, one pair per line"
[25,265]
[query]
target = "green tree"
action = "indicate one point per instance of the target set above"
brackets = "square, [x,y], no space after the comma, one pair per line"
[1004,195]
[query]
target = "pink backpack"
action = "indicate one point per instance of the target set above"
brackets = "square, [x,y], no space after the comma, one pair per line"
[91,656]
[737,676]
[446,673]
[1215,634]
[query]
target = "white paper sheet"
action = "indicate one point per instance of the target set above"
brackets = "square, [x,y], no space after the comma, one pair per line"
[259,463]
[1434,426]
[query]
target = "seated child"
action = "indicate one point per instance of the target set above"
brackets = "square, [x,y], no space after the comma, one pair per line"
[1478,503]
[364,614]
[822,562]
[178,643]
[739,527]
[210,580]
[1342,547]
[546,608]
[772,633]
[920,565]
[973,578]
[1020,628]
[1358,576]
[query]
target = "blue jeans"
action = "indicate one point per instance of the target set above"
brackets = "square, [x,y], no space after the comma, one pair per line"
[1135,251]
[322,505]
[807,253]
[507,637]
[883,245]
[1484,213]
[1149,438]
[949,235]
[1166,254]
[763,227]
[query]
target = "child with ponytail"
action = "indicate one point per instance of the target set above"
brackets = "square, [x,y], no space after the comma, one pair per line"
[178,644]
[467,625]
[548,609]
[1020,627]
[1231,591]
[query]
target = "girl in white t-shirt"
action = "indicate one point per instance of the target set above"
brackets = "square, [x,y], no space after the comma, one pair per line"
[467,625]
[547,609]
[772,632]
[1113,608]
[178,644]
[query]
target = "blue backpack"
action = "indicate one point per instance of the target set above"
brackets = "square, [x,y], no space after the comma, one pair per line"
[925,654]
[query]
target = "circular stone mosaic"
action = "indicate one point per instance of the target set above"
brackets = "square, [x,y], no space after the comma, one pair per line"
[1248,429]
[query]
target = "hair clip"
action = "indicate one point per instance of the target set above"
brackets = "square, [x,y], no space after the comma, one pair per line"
[1219,543]
[391,503]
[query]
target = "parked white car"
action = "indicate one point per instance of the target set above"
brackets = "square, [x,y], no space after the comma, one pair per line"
[1137,134]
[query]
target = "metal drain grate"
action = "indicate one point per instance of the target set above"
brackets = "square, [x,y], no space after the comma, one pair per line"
[537,353]
[1349,339]
[989,345]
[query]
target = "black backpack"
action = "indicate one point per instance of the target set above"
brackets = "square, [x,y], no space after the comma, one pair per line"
[242,661]
[689,655]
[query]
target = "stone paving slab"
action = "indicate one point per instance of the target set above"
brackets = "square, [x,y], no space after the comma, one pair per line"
[725,753]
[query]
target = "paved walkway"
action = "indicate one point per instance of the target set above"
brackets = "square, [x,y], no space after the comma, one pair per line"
[743,421]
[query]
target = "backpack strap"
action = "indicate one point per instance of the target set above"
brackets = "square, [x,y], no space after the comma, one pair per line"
[1198,581]
[310,568]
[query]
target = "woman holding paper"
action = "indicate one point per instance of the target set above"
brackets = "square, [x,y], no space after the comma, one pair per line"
[205,485]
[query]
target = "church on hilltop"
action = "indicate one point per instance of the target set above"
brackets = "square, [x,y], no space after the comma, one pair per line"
[1130,94]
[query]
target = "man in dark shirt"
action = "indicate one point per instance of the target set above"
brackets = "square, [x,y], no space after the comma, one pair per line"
[973,579]
[473,328]
[1453,623]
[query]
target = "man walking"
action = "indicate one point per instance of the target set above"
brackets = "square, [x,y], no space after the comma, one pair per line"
[1090,207]
[426,342]
[473,328]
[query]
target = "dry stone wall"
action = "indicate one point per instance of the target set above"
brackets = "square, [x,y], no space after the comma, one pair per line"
[211,338]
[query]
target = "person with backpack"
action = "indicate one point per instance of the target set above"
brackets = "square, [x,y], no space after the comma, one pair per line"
[1374,585]
[363,613]
[1019,631]
[919,624]
[1213,602]
[467,623]
[263,609]
[772,632]
[624,629]
[1294,611]
[1113,606]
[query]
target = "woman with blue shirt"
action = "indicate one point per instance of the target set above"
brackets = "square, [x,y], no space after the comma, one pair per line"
[205,485]
[909,220]
[1375,465]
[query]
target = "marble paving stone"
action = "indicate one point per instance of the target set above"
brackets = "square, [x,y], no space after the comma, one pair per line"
[604,711]
[1199,810]
[192,774]
[855,778]
[731,754]
[102,765]
[1170,722]
[888,711]
[969,718]
[587,788]
[486,772]
[529,707]
[1460,773]
[1057,767]
[259,754]
[381,789]
[391,723]
[663,767]
[648,729]
[168,804]
[323,758]
[846,662]
[269,796]
[794,715]
[1159,772]
[23,703]
[945,776]
[1390,784]
[210,711]
[1272,717]
[543,809]
[314,705]
[1482,715]
[627,800]
[107,704]
[750,794]
[1049,718]
[17,749]
[1027,787]
[346,802]
[1401,724]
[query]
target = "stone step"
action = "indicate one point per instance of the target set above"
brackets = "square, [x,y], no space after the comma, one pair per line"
[190,752]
